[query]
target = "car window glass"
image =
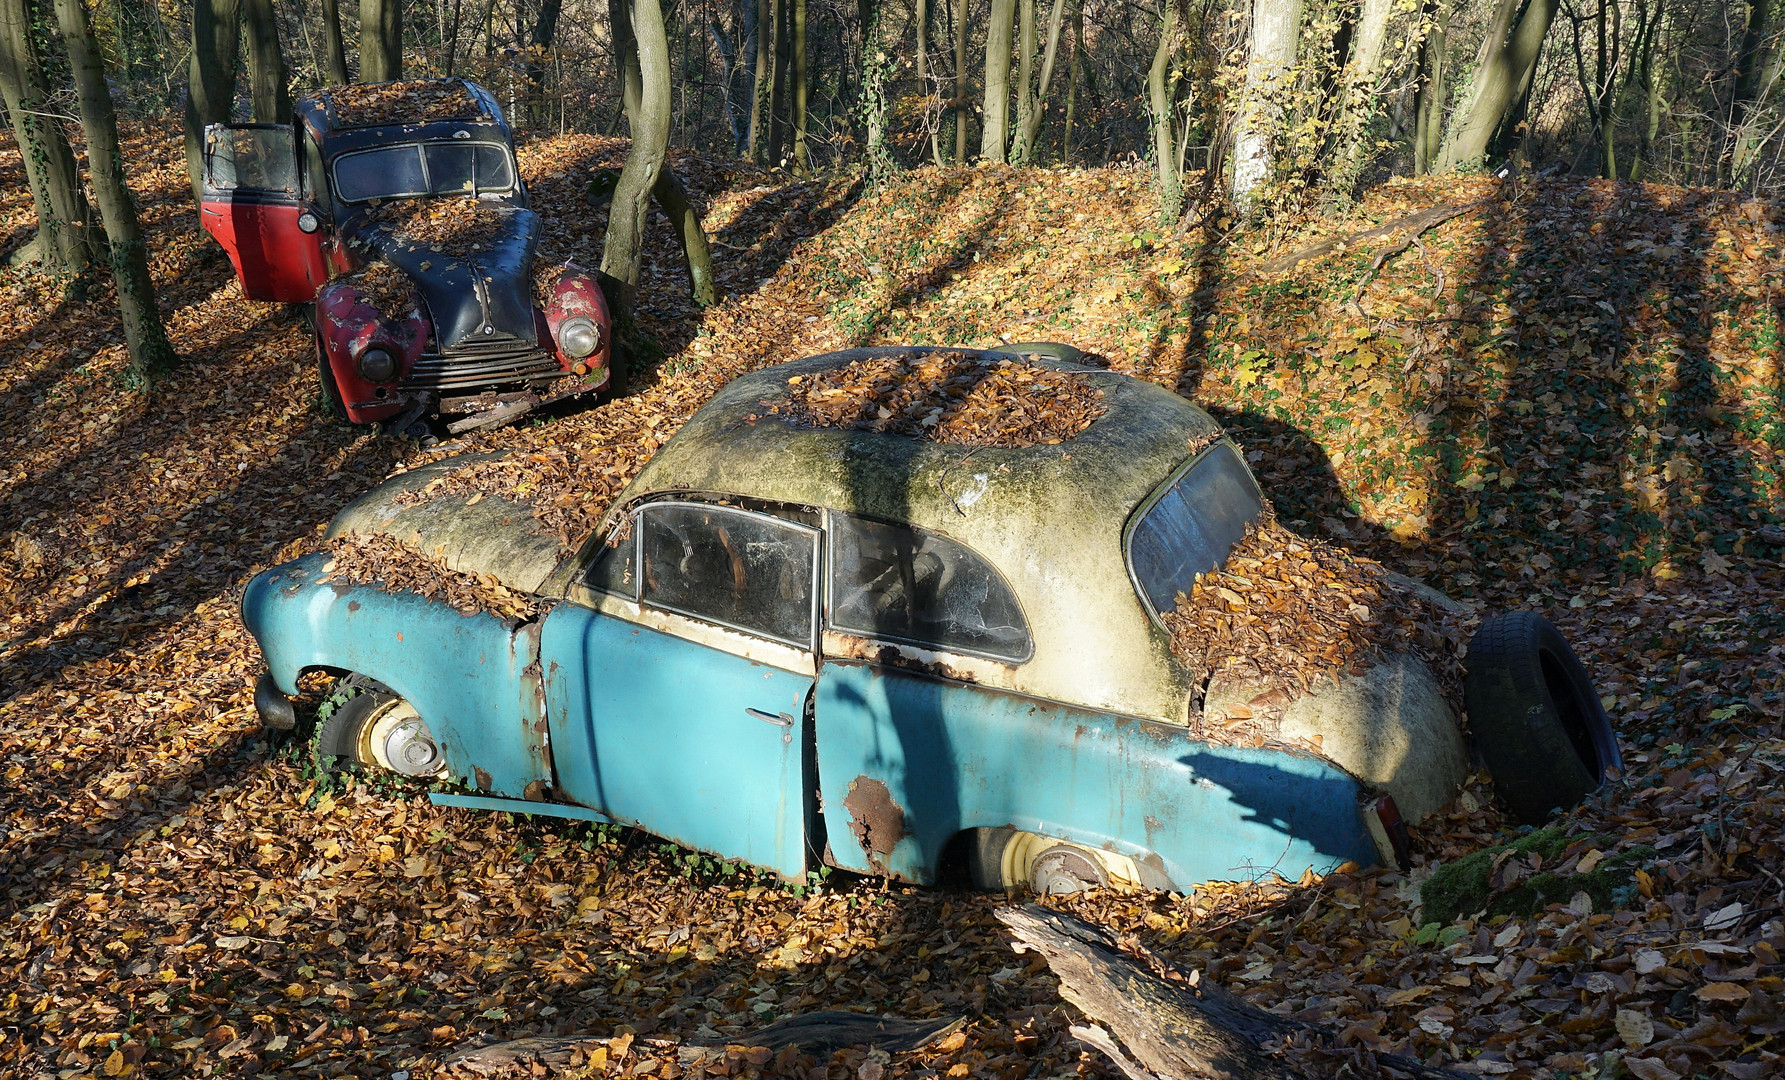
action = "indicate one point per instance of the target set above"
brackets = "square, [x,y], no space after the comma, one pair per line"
[313,172]
[253,158]
[905,584]
[612,570]
[384,173]
[1192,526]
[464,168]
[730,567]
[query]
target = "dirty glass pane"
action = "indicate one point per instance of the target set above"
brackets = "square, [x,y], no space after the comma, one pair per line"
[258,158]
[899,583]
[385,173]
[1193,526]
[731,567]
[612,570]
[463,168]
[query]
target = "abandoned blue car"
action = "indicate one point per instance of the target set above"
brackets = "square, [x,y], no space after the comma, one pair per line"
[801,646]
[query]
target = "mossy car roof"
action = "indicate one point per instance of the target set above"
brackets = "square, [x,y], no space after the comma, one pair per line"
[733,446]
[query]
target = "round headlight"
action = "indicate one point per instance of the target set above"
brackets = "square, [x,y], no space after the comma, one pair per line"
[579,337]
[377,365]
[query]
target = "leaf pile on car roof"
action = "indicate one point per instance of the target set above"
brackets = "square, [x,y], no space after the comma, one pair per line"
[393,566]
[412,101]
[1285,612]
[946,396]
[387,289]
[453,225]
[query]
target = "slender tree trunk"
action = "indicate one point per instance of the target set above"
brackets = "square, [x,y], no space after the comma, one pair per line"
[1078,70]
[622,254]
[1165,154]
[267,79]
[211,78]
[801,156]
[1749,62]
[1651,94]
[762,94]
[1507,66]
[625,57]
[334,52]
[995,136]
[65,234]
[673,197]
[380,40]
[1276,31]
[780,110]
[1025,79]
[1610,36]
[545,33]
[1028,127]
[923,79]
[150,354]
[961,111]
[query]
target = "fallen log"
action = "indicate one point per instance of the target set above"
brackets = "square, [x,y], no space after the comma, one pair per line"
[817,1033]
[1156,1022]
[1413,223]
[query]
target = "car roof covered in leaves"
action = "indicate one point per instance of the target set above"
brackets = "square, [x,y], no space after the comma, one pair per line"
[1049,517]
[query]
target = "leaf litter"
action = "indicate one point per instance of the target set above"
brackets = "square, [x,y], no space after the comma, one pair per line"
[180,894]
[390,564]
[411,101]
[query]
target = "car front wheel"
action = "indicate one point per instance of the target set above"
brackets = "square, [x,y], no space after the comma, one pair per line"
[1002,860]
[363,722]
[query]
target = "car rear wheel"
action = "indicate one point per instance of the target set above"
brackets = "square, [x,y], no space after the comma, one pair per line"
[363,722]
[1006,859]
[1536,719]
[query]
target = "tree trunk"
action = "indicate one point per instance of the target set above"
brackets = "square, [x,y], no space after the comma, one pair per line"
[65,233]
[1171,195]
[1749,63]
[1028,127]
[1650,82]
[801,156]
[150,354]
[995,135]
[762,94]
[268,83]
[625,57]
[961,112]
[1428,104]
[1025,79]
[1507,66]
[923,80]
[673,197]
[334,52]
[622,254]
[380,40]
[1372,31]
[545,33]
[1276,30]
[1078,61]
[211,79]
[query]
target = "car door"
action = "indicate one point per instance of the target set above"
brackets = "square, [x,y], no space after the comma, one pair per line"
[678,679]
[251,206]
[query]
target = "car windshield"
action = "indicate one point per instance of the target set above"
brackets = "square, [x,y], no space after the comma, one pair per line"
[437,167]
[1191,525]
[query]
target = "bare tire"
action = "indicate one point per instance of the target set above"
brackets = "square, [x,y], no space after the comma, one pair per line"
[1536,719]
[364,723]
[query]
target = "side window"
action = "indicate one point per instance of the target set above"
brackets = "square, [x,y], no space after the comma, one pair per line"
[900,583]
[1191,524]
[732,567]
[612,571]
[257,157]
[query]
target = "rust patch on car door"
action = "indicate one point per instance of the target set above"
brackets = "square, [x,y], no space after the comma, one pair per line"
[877,822]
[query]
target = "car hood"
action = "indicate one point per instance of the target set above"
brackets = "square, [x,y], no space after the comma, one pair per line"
[482,297]
[473,535]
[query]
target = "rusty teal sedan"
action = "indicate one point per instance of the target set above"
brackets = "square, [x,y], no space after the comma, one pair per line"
[804,646]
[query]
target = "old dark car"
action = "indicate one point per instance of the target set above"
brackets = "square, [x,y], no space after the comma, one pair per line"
[799,645]
[397,210]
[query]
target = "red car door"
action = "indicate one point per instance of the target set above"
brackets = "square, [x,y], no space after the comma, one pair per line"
[251,206]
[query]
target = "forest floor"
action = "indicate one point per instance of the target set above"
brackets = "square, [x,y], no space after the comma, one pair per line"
[1568,399]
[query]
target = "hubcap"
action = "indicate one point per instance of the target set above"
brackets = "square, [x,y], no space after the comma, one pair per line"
[1064,870]
[398,739]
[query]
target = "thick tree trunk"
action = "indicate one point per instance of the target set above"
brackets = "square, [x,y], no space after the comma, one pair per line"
[673,197]
[1372,31]
[380,40]
[961,112]
[623,253]
[65,235]
[1165,154]
[334,52]
[267,80]
[1750,61]
[1276,31]
[1428,102]
[995,136]
[1507,66]
[211,78]
[150,354]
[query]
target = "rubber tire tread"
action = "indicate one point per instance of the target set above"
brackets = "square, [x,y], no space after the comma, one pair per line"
[354,699]
[1519,725]
[983,854]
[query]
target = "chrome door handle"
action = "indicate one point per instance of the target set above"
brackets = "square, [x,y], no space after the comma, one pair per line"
[782,719]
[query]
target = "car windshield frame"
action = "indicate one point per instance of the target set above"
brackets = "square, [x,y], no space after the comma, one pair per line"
[1157,495]
[420,147]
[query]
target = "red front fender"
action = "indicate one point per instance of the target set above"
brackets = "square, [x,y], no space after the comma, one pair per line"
[347,324]
[577,295]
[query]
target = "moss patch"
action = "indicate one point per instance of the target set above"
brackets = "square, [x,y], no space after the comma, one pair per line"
[1465,887]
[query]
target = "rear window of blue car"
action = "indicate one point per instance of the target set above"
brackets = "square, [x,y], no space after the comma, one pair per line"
[1190,524]
[904,584]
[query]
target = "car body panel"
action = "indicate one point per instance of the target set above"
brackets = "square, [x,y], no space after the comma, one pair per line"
[482,296]
[346,326]
[472,678]
[906,761]
[651,729]
[257,223]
